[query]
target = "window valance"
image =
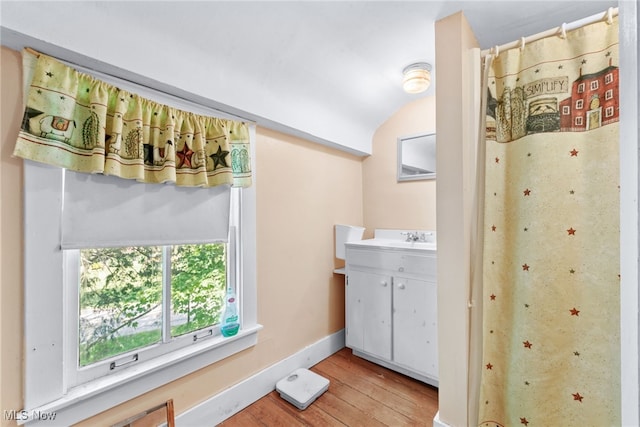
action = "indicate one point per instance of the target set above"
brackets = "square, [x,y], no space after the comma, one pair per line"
[75,121]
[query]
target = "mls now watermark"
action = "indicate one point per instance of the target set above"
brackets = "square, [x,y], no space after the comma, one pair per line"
[22,415]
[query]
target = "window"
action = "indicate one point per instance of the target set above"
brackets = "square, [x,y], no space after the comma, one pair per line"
[566,110]
[142,270]
[52,311]
[50,307]
[579,104]
[579,121]
[123,295]
[125,306]
[594,85]
[581,88]
[71,308]
[56,376]
[608,78]
[608,112]
[608,94]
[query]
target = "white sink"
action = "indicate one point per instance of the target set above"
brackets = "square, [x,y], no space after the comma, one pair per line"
[408,245]
[396,239]
[395,244]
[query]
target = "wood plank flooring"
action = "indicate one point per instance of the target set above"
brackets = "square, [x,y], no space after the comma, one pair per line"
[360,393]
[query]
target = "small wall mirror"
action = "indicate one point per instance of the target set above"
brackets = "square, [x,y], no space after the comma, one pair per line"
[417,157]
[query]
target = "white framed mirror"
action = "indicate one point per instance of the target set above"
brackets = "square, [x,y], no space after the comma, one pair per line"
[417,157]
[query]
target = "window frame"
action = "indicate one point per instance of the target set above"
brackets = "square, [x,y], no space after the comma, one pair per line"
[47,389]
[581,87]
[608,78]
[608,94]
[579,104]
[594,85]
[609,111]
[76,375]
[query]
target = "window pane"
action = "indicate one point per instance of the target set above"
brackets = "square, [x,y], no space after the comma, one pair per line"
[198,283]
[120,301]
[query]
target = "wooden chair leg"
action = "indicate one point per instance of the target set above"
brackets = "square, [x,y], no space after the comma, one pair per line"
[152,417]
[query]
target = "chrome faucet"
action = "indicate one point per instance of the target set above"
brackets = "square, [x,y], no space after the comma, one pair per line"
[414,236]
[411,236]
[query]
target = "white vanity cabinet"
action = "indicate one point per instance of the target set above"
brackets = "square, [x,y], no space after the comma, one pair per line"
[368,314]
[391,310]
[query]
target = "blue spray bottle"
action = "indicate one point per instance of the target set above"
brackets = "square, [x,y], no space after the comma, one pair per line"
[230,319]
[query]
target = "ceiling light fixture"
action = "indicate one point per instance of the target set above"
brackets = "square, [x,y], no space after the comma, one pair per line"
[417,77]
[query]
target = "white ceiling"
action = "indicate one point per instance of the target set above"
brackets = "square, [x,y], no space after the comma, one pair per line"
[329,70]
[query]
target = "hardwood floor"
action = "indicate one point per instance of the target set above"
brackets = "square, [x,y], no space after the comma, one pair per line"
[360,393]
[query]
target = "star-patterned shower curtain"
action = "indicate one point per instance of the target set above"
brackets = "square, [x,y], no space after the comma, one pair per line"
[551,315]
[75,121]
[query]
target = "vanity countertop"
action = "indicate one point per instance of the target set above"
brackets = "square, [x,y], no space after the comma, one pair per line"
[393,245]
[397,240]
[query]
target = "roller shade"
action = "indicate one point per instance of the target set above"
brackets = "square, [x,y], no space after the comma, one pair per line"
[107,211]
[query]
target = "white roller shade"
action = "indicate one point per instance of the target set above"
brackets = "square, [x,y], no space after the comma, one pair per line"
[106,211]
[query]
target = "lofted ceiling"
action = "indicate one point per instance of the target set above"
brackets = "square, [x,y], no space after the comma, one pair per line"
[327,70]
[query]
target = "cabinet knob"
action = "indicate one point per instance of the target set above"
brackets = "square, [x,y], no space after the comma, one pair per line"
[401,285]
[383,283]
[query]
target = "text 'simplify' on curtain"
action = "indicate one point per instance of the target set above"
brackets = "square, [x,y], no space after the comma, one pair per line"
[551,297]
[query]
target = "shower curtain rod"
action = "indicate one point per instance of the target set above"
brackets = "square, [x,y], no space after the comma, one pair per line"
[559,31]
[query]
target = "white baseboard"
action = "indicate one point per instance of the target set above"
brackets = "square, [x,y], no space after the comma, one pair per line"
[232,400]
[437,422]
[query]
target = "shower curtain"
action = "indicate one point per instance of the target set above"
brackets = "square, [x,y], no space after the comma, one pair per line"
[551,341]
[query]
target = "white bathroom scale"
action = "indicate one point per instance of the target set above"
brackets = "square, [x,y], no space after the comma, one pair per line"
[302,387]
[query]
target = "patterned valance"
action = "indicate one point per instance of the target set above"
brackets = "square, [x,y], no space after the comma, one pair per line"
[75,121]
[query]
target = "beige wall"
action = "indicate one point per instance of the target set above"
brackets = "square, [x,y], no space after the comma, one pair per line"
[457,127]
[303,189]
[387,202]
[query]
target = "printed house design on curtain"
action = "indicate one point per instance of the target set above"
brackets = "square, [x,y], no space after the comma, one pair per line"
[593,102]
[530,108]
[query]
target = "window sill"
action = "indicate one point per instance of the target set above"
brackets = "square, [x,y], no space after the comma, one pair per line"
[89,399]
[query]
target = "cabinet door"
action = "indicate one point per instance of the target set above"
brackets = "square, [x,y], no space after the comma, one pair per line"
[368,313]
[415,343]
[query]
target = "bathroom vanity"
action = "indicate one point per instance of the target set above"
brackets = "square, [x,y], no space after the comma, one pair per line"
[391,302]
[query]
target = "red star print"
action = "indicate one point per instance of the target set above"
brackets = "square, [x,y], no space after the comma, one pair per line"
[525,267]
[489,366]
[524,421]
[493,228]
[184,157]
[571,232]
[574,153]
[527,192]
[493,297]
[527,344]
[574,312]
[576,396]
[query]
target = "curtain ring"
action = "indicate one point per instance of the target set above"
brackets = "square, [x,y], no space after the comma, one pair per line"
[610,15]
[522,42]
[563,31]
